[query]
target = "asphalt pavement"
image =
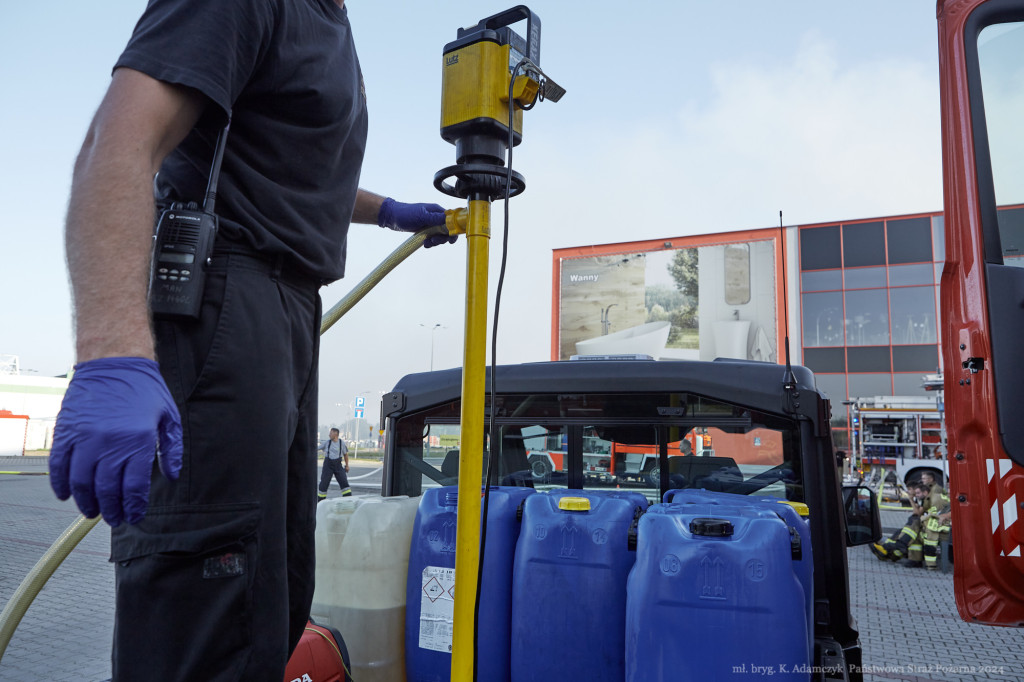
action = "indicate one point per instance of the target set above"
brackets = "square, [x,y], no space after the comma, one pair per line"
[908,623]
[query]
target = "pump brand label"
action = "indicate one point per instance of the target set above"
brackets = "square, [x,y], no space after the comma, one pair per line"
[437,608]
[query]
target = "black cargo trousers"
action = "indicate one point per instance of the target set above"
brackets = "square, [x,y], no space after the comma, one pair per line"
[217,581]
[336,468]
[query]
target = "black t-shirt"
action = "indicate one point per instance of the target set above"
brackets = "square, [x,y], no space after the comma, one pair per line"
[287,71]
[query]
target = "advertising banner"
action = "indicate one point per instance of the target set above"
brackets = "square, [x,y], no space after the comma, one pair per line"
[697,302]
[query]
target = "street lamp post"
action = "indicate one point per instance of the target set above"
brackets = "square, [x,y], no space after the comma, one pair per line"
[344,407]
[432,330]
[347,417]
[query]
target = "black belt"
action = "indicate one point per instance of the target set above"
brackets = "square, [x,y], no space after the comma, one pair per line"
[277,266]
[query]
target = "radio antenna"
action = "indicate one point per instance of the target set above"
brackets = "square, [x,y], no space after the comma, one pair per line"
[788,379]
[218,155]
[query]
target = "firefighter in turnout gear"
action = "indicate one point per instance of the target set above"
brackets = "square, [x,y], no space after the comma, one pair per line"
[936,521]
[907,541]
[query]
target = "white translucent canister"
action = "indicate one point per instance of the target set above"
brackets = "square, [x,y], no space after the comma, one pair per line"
[365,582]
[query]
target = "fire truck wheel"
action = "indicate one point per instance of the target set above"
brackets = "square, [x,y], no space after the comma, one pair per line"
[541,469]
[653,477]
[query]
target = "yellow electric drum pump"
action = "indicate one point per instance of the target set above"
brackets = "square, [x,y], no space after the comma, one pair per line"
[481,90]
[490,76]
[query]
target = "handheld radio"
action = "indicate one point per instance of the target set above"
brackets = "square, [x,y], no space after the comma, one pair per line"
[184,244]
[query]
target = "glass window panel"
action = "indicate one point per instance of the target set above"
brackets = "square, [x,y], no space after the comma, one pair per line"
[1015,262]
[910,240]
[915,358]
[863,244]
[819,248]
[939,237]
[825,359]
[868,385]
[821,280]
[999,56]
[938,272]
[619,445]
[1011,231]
[868,359]
[913,315]
[867,318]
[909,384]
[864,278]
[823,319]
[834,386]
[905,275]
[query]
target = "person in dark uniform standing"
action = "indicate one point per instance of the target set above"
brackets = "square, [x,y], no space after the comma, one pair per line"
[335,464]
[212,541]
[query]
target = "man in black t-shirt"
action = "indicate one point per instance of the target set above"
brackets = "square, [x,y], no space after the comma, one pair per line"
[213,552]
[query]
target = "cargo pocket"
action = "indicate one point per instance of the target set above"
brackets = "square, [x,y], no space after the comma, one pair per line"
[185,347]
[184,583]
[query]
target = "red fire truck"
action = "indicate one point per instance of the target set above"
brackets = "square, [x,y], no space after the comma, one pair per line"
[901,434]
[612,461]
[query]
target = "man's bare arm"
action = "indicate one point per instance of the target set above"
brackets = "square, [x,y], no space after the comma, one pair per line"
[367,207]
[109,231]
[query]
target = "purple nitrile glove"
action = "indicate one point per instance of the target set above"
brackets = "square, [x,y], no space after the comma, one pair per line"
[115,412]
[412,218]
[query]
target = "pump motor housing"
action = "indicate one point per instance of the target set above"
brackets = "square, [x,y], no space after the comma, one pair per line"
[477,72]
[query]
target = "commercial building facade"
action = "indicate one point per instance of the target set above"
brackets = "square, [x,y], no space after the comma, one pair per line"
[36,401]
[859,299]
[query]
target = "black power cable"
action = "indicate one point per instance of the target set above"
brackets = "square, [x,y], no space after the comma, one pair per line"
[492,457]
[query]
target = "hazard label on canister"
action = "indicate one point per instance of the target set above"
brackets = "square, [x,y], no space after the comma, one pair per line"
[437,608]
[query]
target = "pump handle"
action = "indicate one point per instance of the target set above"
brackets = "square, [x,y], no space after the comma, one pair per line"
[507,18]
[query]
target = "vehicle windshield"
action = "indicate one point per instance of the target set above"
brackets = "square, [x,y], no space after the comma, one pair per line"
[644,442]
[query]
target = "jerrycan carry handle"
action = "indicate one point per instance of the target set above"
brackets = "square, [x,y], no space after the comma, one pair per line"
[633,527]
[711,527]
[795,548]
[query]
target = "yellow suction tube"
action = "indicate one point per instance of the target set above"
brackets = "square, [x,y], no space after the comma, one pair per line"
[474,382]
[14,610]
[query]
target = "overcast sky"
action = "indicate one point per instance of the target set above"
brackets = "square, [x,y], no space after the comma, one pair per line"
[681,117]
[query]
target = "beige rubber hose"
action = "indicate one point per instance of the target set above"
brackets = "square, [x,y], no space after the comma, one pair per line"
[407,248]
[37,577]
